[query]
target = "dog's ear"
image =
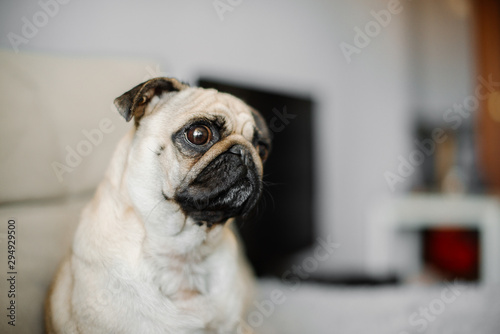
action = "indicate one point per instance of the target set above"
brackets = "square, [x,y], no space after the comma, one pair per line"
[134,102]
[264,135]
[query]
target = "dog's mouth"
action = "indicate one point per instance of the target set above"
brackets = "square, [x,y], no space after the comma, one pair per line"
[228,186]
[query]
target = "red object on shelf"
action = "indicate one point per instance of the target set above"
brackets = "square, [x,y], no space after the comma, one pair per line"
[453,252]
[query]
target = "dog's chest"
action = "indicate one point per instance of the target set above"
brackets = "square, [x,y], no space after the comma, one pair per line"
[194,289]
[181,279]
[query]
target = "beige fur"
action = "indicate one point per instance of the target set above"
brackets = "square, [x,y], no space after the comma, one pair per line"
[138,264]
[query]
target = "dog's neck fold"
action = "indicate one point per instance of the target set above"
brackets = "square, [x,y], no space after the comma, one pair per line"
[165,230]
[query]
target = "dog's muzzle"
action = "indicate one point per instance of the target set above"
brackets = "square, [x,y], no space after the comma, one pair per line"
[228,186]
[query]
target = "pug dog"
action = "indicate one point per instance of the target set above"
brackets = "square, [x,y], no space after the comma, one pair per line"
[154,251]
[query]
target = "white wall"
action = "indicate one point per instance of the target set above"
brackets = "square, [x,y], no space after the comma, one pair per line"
[443,59]
[363,112]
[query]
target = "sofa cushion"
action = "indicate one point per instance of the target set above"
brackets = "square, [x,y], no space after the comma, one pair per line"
[59,125]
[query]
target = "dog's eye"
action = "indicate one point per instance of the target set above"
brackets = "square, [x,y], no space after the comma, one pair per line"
[199,134]
[263,151]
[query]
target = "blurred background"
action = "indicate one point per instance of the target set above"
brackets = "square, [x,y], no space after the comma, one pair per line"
[385,117]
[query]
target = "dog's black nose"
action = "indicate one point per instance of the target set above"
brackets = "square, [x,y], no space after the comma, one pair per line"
[239,150]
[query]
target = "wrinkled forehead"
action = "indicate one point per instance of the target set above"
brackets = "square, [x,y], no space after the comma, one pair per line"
[198,102]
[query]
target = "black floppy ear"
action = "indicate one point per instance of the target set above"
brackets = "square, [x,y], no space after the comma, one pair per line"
[133,103]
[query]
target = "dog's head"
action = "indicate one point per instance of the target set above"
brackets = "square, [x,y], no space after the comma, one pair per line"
[199,148]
